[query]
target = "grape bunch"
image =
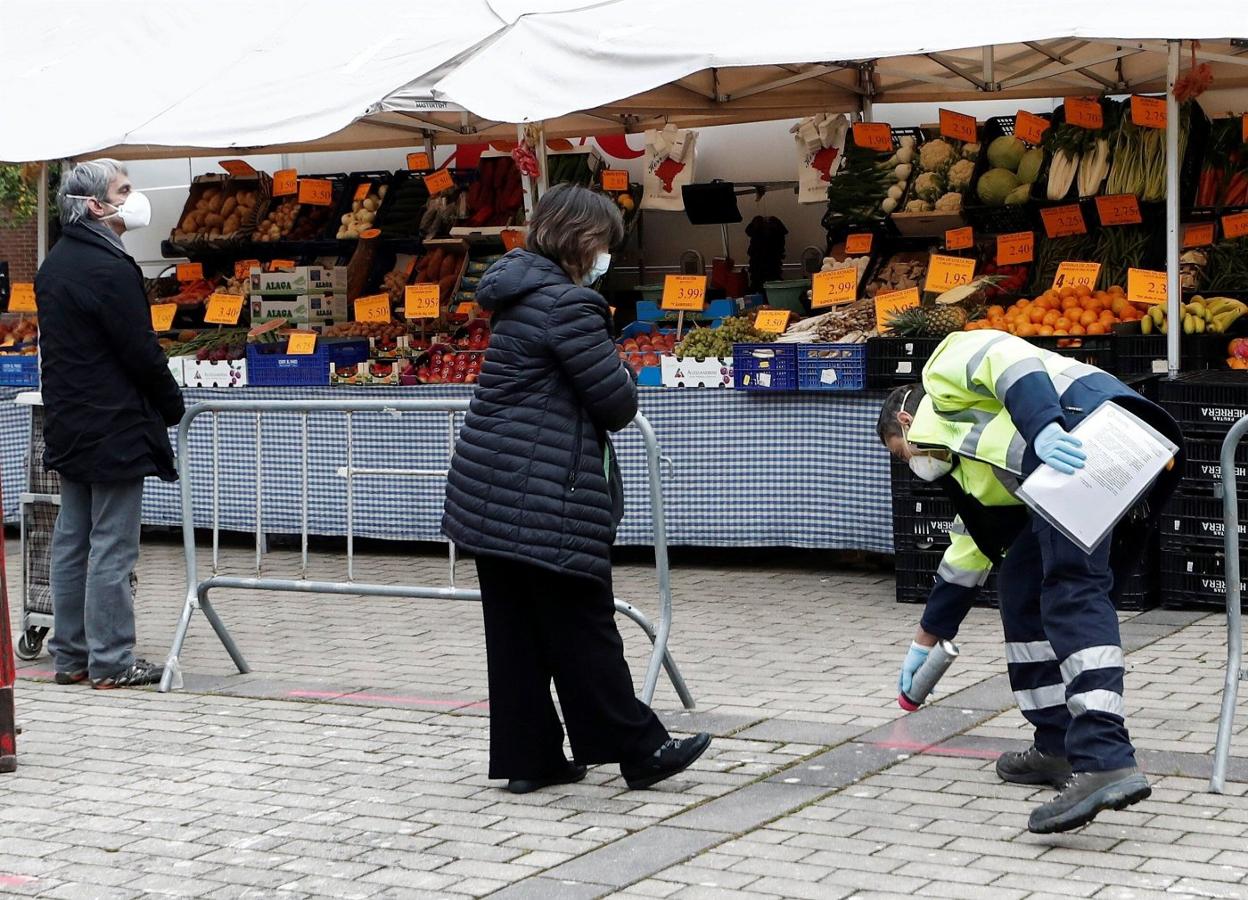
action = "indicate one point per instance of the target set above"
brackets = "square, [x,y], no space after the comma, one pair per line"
[704,342]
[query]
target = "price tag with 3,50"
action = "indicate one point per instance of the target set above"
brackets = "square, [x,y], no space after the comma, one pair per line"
[190,271]
[285,182]
[834,288]
[1197,234]
[1118,209]
[947,272]
[614,180]
[960,238]
[1073,274]
[1061,221]
[419,161]
[224,309]
[775,321]
[301,343]
[874,136]
[1084,112]
[1234,226]
[22,297]
[439,182]
[162,316]
[422,301]
[1146,286]
[316,192]
[890,303]
[373,308]
[859,244]
[1030,127]
[1019,247]
[684,292]
[958,126]
[1148,112]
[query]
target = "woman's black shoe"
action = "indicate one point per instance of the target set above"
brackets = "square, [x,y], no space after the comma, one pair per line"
[674,756]
[572,774]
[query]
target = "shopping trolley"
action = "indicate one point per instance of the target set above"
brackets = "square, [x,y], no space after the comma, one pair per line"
[38,506]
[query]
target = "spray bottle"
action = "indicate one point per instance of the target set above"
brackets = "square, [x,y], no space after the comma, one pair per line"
[938,661]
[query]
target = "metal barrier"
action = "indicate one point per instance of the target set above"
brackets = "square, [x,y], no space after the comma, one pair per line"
[197,590]
[1234,633]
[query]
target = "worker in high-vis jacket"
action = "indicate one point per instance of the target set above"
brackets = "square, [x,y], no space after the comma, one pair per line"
[991,409]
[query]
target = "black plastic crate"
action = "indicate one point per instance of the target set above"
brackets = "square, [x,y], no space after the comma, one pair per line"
[1140,354]
[906,484]
[1144,385]
[894,361]
[1094,350]
[1142,590]
[925,519]
[916,575]
[1196,578]
[1208,402]
[1190,521]
[1202,474]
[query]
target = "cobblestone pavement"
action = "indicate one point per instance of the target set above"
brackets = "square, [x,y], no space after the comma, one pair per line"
[351,761]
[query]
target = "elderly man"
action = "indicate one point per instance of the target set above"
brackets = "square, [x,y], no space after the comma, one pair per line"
[108,400]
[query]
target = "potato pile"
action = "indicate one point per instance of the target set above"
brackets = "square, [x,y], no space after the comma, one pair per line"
[279,222]
[218,213]
[362,214]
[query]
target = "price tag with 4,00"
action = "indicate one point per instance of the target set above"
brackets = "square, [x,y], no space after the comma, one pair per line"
[947,272]
[22,297]
[1146,286]
[374,308]
[890,303]
[834,288]
[162,316]
[224,309]
[1073,274]
[422,301]
[684,292]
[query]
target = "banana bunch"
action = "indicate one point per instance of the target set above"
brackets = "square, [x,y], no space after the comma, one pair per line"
[1213,315]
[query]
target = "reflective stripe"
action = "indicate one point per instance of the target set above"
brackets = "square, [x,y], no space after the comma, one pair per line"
[1015,372]
[980,420]
[957,527]
[1097,701]
[977,359]
[1014,454]
[1070,374]
[1106,656]
[1008,479]
[1029,652]
[1046,697]
[962,577]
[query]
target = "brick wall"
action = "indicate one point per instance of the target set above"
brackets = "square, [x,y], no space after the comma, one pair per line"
[18,247]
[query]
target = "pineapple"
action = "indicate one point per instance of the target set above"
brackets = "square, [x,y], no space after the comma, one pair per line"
[928,321]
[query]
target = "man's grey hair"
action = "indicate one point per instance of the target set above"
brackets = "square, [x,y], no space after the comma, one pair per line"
[87,179]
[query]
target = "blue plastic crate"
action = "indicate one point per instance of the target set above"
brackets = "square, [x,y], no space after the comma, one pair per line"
[764,367]
[651,311]
[831,367]
[347,352]
[281,369]
[19,370]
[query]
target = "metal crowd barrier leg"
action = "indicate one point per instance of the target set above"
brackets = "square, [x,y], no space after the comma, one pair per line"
[197,590]
[1234,632]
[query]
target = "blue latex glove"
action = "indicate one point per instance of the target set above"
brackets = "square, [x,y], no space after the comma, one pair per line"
[1060,449]
[915,657]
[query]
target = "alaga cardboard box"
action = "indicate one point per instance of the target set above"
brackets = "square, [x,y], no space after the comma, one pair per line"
[318,309]
[303,281]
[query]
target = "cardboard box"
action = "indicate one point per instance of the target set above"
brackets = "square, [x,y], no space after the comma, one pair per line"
[319,309]
[371,372]
[304,280]
[215,373]
[689,372]
[177,370]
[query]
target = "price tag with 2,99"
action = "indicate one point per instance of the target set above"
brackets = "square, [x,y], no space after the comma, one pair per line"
[1074,274]
[947,272]
[684,292]
[834,288]
[224,309]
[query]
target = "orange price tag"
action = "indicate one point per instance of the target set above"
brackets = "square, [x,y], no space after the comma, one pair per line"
[958,126]
[277,265]
[22,297]
[890,303]
[1060,221]
[243,267]
[419,161]
[512,239]
[1030,127]
[285,182]
[1019,247]
[1084,112]
[466,309]
[373,308]
[316,192]
[945,272]
[237,167]
[1148,112]
[1234,226]
[1197,234]
[859,244]
[775,321]
[834,288]
[960,238]
[614,180]
[1119,209]
[422,301]
[687,292]
[362,190]
[190,271]
[224,309]
[874,136]
[301,343]
[439,182]
[162,316]
[1146,286]
[1073,274]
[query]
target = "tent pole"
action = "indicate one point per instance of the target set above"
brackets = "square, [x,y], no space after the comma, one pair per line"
[429,146]
[41,220]
[543,179]
[1173,298]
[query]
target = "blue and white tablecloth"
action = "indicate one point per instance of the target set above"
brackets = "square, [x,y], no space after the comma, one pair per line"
[748,470]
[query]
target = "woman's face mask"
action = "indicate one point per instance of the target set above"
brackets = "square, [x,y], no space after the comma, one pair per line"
[602,262]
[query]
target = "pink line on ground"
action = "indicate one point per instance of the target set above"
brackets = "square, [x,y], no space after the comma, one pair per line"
[386,698]
[14,880]
[36,673]
[937,750]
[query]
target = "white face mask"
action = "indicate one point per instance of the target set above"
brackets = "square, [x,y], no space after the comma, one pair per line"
[602,262]
[135,211]
[929,468]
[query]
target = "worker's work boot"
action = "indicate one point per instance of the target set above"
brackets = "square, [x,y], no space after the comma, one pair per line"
[1085,795]
[1030,766]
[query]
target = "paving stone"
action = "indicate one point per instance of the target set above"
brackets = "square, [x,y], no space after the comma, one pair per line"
[747,808]
[636,856]
[551,889]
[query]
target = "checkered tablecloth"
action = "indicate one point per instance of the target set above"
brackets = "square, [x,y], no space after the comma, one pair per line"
[792,470]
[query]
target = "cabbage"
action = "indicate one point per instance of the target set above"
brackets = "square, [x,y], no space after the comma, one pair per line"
[1020,194]
[1029,168]
[1006,152]
[995,185]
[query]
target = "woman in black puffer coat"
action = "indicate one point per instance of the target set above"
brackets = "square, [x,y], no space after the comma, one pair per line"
[534,493]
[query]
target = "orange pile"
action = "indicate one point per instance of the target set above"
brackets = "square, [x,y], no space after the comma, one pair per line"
[1066,312]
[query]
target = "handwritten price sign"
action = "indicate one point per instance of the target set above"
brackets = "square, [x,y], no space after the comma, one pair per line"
[775,321]
[374,308]
[301,343]
[224,309]
[1030,127]
[285,182]
[1019,247]
[1148,112]
[958,126]
[1146,286]
[1119,209]
[684,292]
[1084,112]
[162,316]
[874,136]
[22,297]
[1235,226]
[316,192]
[945,272]
[960,238]
[421,301]
[1061,221]
[859,244]
[615,180]
[1197,234]
[439,182]
[834,288]
[419,161]
[1073,274]
[190,271]
[890,303]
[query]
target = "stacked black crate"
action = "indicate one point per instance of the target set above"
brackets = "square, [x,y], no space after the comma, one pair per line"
[1193,529]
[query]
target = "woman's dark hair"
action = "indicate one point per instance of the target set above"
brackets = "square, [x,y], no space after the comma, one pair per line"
[571,224]
[909,394]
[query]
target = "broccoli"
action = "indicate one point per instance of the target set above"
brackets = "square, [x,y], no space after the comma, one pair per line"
[960,175]
[935,156]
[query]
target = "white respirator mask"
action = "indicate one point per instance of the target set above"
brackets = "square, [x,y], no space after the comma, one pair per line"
[135,211]
[930,468]
[602,262]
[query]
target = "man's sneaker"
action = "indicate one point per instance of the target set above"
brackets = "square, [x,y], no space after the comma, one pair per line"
[1085,795]
[141,673]
[675,755]
[570,774]
[76,676]
[1030,766]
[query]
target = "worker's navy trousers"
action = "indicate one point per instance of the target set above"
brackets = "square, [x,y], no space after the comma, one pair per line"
[1062,647]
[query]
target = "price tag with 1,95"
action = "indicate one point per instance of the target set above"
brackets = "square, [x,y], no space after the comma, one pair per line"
[224,309]
[947,272]
[834,288]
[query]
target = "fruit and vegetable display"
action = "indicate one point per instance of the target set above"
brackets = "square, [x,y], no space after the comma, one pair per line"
[1068,312]
[569,168]
[214,345]
[645,349]
[19,334]
[497,194]
[1012,170]
[191,293]
[870,183]
[1224,172]
[277,225]
[367,329]
[401,215]
[945,170]
[219,211]
[1200,315]
[442,364]
[363,213]
[1237,354]
[1079,158]
[1227,266]
[928,320]
[441,265]
[849,324]
[312,220]
[902,270]
[701,343]
[1139,157]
